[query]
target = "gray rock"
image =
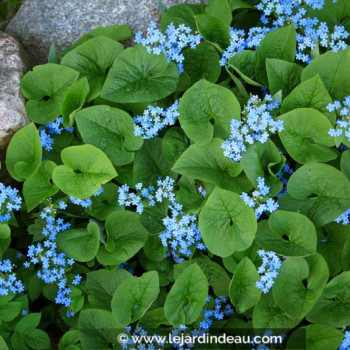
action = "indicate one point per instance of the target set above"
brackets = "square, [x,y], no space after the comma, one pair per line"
[40,23]
[13,64]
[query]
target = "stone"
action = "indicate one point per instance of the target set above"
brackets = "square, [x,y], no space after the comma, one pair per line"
[40,23]
[13,65]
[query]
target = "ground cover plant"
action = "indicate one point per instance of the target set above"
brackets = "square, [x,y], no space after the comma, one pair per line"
[197,182]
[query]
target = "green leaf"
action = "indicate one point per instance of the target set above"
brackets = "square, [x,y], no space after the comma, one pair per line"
[45,87]
[305,136]
[134,296]
[186,297]
[150,162]
[323,190]
[213,30]
[318,336]
[74,100]
[243,292]
[24,153]
[202,62]
[220,9]
[106,203]
[217,277]
[226,223]
[10,310]
[125,237]
[85,169]
[263,160]
[52,54]
[116,32]
[310,94]
[208,163]
[28,323]
[5,231]
[92,59]
[267,314]
[152,319]
[38,339]
[101,285]
[239,4]
[39,186]
[280,44]
[345,254]
[174,143]
[154,248]
[282,75]
[345,163]
[80,244]
[3,345]
[333,306]
[97,328]
[203,104]
[244,64]
[181,14]
[68,340]
[334,70]
[111,130]
[299,284]
[138,76]
[288,234]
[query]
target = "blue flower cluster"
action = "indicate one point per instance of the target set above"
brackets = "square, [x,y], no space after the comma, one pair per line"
[9,200]
[54,266]
[258,199]
[85,203]
[344,218]
[8,280]
[345,345]
[268,270]
[343,124]
[311,33]
[154,119]
[181,232]
[171,43]
[284,176]
[202,191]
[53,128]
[222,308]
[256,125]
[135,338]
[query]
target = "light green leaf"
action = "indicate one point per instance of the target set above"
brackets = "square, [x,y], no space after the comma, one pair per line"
[39,186]
[279,43]
[125,237]
[134,296]
[92,59]
[203,104]
[334,70]
[226,223]
[111,130]
[26,324]
[220,9]
[80,244]
[305,136]
[74,100]
[310,94]
[24,153]
[45,87]
[186,297]
[299,284]
[38,339]
[323,190]
[243,292]
[288,234]
[85,169]
[138,76]
[174,143]
[101,285]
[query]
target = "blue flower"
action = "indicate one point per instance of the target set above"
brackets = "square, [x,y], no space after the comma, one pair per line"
[345,345]
[268,270]
[154,119]
[10,200]
[256,125]
[171,43]
[343,124]
[8,280]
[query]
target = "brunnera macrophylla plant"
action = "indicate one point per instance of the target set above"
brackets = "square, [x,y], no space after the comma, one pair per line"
[196,182]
